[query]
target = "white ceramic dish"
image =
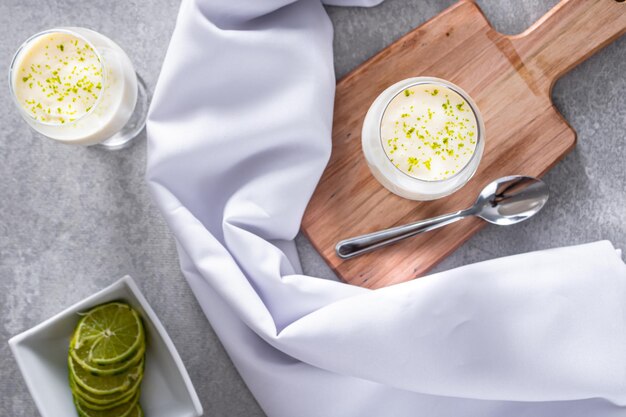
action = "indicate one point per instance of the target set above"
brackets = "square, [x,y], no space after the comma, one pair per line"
[41,354]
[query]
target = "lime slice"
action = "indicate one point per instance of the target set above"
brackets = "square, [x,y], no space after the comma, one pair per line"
[109,333]
[116,398]
[105,384]
[112,369]
[99,407]
[137,412]
[122,410]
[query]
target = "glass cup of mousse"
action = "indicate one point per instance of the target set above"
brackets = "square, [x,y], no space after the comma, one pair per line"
[78,87]
[423,138]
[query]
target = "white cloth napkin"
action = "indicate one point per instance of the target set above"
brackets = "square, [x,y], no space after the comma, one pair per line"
[239,134]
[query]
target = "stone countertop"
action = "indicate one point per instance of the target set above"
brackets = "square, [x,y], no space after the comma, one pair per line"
[74,220]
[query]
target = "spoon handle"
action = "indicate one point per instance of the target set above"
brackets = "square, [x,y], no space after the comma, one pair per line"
[359,245]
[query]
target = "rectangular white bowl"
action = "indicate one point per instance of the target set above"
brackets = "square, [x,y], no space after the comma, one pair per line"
[41,354]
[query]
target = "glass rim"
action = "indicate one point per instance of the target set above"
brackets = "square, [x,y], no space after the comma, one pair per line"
[21,48]
[420,80]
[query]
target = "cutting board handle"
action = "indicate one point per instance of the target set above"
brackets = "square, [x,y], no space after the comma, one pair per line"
[567,35]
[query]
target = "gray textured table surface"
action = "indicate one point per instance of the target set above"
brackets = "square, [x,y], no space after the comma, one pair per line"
[72,220]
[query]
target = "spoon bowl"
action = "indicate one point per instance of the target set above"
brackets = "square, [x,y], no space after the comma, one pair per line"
[511,200]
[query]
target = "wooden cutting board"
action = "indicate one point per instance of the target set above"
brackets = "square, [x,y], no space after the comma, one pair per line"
[510,78]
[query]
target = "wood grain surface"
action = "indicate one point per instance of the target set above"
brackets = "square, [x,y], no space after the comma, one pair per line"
[510,78]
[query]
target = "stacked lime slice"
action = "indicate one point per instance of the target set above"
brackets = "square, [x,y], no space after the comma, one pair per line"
[106,362]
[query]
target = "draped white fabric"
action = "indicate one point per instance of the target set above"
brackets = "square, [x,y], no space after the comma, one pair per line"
[239,134]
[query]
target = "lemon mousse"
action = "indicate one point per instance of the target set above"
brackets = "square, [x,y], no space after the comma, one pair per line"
[74,85]
[59,78]
[423,138]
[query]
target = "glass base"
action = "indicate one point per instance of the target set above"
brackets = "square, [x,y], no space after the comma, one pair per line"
[135,124]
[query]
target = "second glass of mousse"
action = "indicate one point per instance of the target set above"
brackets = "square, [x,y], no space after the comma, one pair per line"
[79,87]
[423,138]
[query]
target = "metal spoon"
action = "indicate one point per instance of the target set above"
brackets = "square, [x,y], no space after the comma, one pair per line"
[505,201]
